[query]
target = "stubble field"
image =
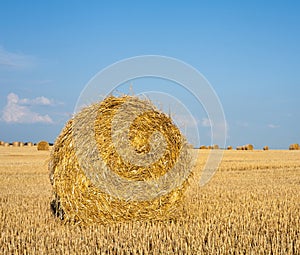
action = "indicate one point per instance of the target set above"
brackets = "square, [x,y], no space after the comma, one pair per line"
[251,206]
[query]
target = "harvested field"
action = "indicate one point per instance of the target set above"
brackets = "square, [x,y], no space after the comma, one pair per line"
[250,206]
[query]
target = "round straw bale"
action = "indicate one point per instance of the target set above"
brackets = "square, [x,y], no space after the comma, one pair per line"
[6,144]
[203,147]
[248,147]
[43,146]
[294,146]
[215,147]
[21,144]
[1,143]
[99,178]
[229,148]
[210,147]
[16,144]
[29,144]
[239,148]
[266,148]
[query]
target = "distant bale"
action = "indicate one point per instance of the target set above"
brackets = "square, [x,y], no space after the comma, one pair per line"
[229,148]
[2,143]
[215,147]
[266,148]
[6,144]
[21,144]
[29,144]
[210,147]
[294,146]
[203,147]
[43,146]
[248,147]
[16,144]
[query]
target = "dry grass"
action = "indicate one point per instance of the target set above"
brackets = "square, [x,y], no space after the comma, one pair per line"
[251,206]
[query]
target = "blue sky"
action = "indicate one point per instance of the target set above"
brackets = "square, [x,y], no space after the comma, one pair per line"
[248,50]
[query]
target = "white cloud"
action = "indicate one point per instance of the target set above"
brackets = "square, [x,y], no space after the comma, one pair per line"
[273,126]
[18,110]
[15,60]
[206,122]
[36,101]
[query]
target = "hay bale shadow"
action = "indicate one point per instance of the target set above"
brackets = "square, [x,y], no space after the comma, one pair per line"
[56,209]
